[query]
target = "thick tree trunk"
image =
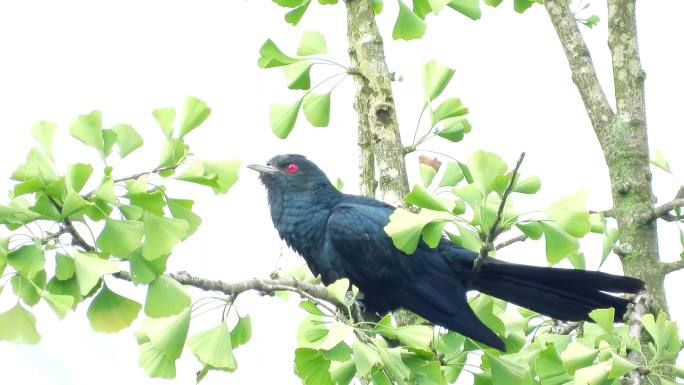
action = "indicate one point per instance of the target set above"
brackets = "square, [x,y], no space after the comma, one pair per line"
[379,142]
[624,139]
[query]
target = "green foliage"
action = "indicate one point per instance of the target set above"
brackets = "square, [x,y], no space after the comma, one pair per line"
[409,25]
[297,70]
[136,222]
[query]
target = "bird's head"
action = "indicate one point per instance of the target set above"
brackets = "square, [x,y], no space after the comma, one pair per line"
[290,173]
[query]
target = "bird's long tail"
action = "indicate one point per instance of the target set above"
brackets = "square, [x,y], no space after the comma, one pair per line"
[564,294]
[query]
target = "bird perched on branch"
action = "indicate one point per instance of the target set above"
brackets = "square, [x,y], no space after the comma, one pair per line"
[342,236]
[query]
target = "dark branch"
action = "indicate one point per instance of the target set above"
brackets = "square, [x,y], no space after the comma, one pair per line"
[494,230]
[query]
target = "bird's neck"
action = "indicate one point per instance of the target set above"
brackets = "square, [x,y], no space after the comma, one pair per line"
[300,217]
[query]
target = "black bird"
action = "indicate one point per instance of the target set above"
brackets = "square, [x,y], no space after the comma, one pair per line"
[342,236]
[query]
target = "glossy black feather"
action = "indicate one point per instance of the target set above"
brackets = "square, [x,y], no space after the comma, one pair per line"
[341,235]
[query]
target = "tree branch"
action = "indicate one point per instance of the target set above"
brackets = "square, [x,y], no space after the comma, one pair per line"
[488,244]
[315,293]
[519,238]
[582,68]
[663,210]
[562,327]
[669,267]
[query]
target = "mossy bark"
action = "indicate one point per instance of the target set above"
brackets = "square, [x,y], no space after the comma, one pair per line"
[378,132]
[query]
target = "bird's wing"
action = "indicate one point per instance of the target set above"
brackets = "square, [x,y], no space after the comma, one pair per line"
[423,282]
[355,233]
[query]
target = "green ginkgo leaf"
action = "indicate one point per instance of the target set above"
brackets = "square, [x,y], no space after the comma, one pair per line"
[18,325]
[559,244]
[110,312]
[312,43]
[294,16]
[88,129]
[161,235]
[127,138]
[77,176]
[155,362]
[44,133]
[213,347]
[165,118]
[470,8]
[120,237]
[166,297]
[272,56]
[436,76]
[298,75]
[283,118]
[195,112]
[317,109]
[408,26]
[90,268]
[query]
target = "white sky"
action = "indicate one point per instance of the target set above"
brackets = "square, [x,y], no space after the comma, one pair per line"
[125,58]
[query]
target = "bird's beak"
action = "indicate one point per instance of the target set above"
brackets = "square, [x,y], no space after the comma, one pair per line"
[263,169]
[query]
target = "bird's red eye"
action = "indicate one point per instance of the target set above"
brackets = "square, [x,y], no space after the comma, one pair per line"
[292,168]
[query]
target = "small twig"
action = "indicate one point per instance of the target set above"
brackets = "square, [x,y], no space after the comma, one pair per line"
[76,238]
[488,244]
[156,170]
[562,327]
[316,293]
[669,267]
[663,210]
[519,238]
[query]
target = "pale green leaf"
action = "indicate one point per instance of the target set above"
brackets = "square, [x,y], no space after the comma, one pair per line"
[427,173]
[144,271]
[59,303]
[298,75]
[165,118]
[127,138]
[65,267]
[378,5]
[105,191]
[597,223]
[405,227]
[338,290]
[593,375]
[272,56]
[571,214]
[365,357]
[283,118]
[449,108]
[317,109]
[155,362]
[213,347]
[577,356]
[529,185]
[521,6]
[408,26]
[120,237]
[549,367]
[506,372]
[342,373]
[37,167]
[44,133]
[531,229]
[469,8]
[558,243]
[195,112]
[166,297]
[415,336]
[452,175]
[182,209]
[90,268]
[28,260]
[25,289]
[312,367]
[454,129]
[242,332]
[484,166]
[88,129]
[312,43]
[436,76]
[161,235]
[294,16]
[18,325]
[604,317]
[169,333]
[73,204]
[110,312]
[337,332]
[419,196]
[219,175]
[77,176]
[620,366]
